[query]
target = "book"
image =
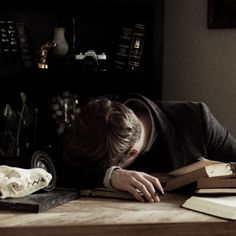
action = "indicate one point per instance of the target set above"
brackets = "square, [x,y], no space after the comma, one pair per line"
[23,44]
[215,191]
[220,206]
[190,174]
[216,182]
[136,48]
[123,50]
[130,48]
[106,193]
[193,166]
[14,57]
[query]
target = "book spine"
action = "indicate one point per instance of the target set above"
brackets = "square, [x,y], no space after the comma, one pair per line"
[217,182]
[2,23]
[14,57]
[136,48]
[5,44]
[123,48]
[9,52]
[23,45]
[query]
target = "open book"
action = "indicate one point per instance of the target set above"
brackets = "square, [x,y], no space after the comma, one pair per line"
[106,193]
[174,180]
[221,206]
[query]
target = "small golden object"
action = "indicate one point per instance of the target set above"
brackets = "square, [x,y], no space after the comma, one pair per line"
[43,53]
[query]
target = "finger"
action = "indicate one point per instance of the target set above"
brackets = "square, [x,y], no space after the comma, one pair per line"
[133,191]
[156,183]
[150,188]
[142,188]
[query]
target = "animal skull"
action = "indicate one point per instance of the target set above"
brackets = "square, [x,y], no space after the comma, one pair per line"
[18,182]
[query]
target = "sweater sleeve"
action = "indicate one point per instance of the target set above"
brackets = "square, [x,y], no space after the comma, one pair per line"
[220,144]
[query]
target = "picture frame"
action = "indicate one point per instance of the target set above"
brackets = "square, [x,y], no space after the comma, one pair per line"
[221,14]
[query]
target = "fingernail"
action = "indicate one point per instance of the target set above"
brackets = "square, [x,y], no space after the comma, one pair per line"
[157,199]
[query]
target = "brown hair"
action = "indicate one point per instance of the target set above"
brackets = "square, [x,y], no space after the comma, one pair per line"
[103,132]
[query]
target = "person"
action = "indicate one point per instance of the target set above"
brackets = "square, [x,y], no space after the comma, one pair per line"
[118,144]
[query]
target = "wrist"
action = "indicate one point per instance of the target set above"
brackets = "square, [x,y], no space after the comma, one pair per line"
[107,177]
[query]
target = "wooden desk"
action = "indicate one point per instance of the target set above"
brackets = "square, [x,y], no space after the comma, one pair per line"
[87,216]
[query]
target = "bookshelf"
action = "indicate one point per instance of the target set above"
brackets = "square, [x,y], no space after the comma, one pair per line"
[89,25]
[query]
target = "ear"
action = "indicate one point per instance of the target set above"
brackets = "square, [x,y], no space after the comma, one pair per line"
[132,153]
[130,157]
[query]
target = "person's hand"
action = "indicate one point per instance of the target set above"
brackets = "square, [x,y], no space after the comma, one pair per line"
[141,185]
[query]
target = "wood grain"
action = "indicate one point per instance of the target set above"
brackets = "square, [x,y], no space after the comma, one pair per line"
[97,216]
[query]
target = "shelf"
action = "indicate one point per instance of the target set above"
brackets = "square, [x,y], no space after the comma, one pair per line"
[55,81]
[98,25]
[55,5]
[68,72]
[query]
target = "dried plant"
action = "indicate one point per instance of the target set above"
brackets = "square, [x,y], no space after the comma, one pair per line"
[15,121]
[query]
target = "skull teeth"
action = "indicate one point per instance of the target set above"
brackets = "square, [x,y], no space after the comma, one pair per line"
[34,182]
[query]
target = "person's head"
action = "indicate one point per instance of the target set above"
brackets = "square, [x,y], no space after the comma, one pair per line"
[104,132]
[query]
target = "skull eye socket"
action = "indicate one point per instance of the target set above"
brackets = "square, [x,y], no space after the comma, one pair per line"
[13,174]
[16,186]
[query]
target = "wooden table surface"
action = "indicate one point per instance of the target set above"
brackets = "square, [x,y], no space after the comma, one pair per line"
[99,216]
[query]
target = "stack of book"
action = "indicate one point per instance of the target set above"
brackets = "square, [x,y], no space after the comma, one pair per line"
[214,187]
[203,177]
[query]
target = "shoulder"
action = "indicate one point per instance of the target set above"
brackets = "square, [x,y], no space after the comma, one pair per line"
[183,106]
[171,104]
[188,111]
[194,106]
[175,106]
